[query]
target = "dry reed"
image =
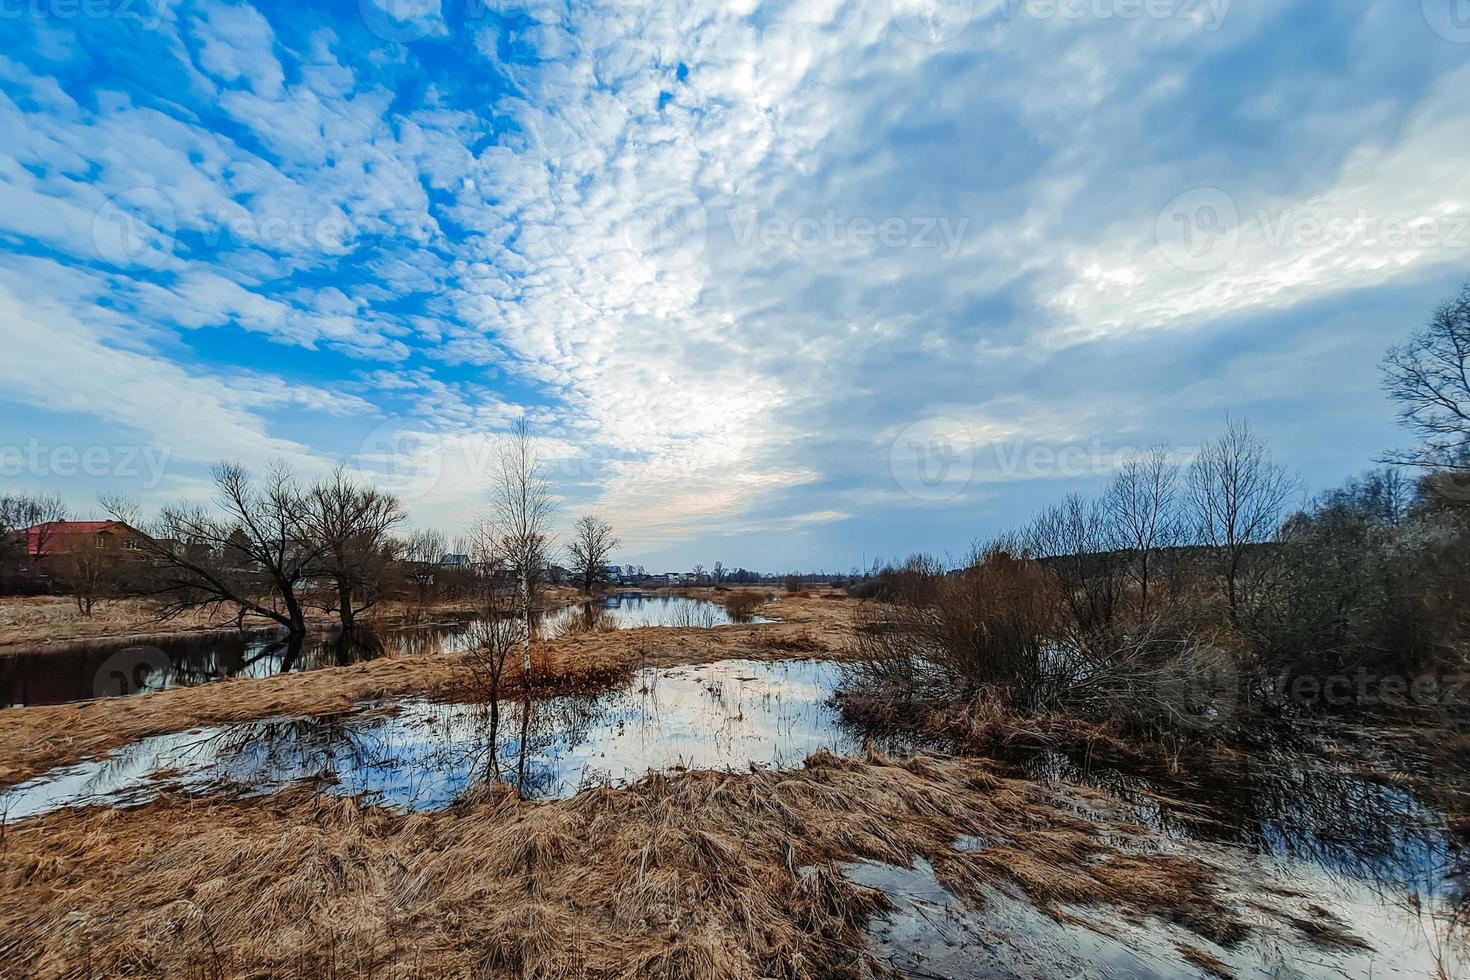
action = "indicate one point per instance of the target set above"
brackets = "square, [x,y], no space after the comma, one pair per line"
[702,874]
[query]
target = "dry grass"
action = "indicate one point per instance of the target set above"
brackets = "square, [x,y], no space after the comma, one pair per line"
[31,621]
[704,874]
[741,603]
[27,621]
[1207,962]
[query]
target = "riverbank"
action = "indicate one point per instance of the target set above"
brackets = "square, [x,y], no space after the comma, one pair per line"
[41,737]
[33,623]
[703,874]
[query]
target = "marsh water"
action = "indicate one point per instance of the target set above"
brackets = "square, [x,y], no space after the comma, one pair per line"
[422,755]
[1367,854]
[82,671]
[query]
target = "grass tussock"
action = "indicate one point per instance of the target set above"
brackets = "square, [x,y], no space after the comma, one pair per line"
[703,874]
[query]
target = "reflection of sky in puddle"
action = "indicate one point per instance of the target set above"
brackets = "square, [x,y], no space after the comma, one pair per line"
[932,933]
[1373,856]
[422,755]
[626,610]
[1296,810]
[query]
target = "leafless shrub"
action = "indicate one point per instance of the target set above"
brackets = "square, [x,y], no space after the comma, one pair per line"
[588,618]
[990,625]
[1000,635]
[696,615]
[742,603]
[1079,544]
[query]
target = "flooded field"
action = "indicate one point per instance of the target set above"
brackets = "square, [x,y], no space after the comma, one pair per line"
[81,671]
[1344,855]
[421,755]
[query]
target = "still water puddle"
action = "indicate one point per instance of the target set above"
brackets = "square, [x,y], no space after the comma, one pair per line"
[1338,850]
[82,671]
[932,933]
[422,755]
[634,610]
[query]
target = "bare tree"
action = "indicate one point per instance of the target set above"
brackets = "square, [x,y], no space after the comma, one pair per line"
[1382,496]
[1141,501]
[253,553]
[33,513]
[351,524]
[421,551]
[1237,494]
[521,505]
[1429,378]
[89,574]
[592,543]
[719,572]
[1077,541]
[494,636]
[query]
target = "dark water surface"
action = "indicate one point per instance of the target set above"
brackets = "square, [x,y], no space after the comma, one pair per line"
[115,668]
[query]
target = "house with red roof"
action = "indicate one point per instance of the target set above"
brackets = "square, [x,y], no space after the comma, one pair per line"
[77,537]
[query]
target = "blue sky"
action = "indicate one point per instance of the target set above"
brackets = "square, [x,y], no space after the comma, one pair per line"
[782,285]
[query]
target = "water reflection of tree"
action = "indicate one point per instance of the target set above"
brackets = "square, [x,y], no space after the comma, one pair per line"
[1296,808]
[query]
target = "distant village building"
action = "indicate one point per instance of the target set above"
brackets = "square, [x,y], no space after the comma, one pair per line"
[77,537]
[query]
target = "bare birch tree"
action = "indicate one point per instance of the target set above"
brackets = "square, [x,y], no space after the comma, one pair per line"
[1142,503]
[522,511]
[1237,495]
[494,636]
